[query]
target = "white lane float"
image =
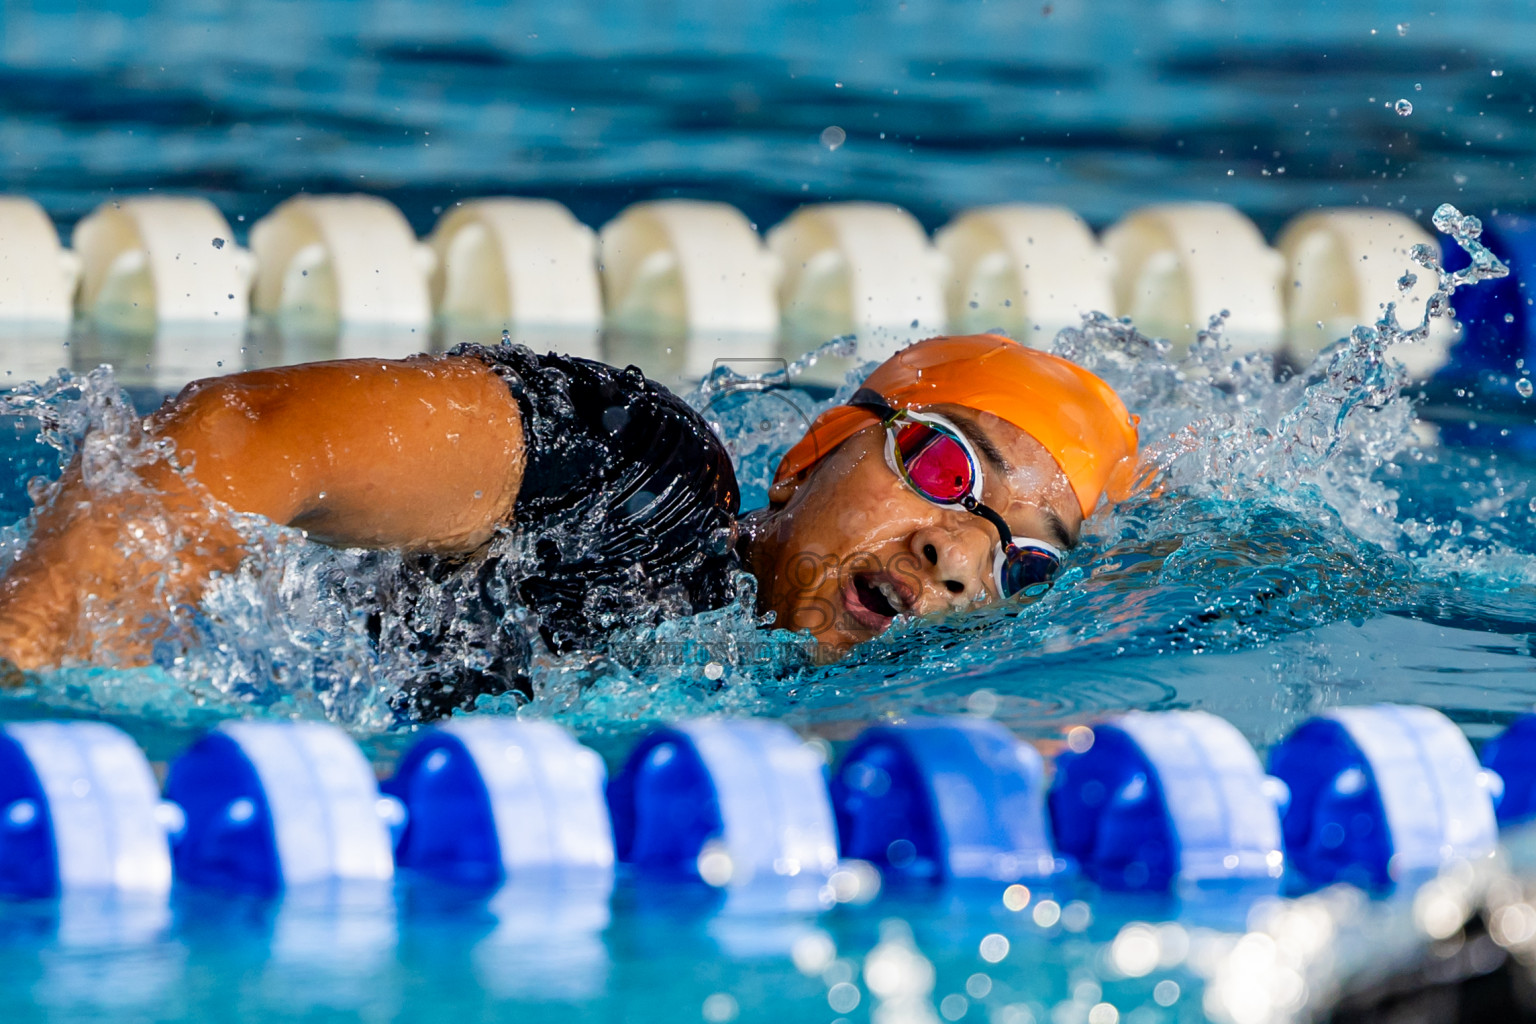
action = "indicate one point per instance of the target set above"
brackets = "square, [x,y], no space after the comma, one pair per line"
[350,265]
[508,263]
[1028,269]
[860,268]
[1177,264]
[682,266]
[37,275]
[1342,267]
[150,260]
[324,261]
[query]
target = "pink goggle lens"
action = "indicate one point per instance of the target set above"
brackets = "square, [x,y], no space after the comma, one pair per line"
[936,463]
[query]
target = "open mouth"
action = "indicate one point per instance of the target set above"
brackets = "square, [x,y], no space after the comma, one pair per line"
[873,599]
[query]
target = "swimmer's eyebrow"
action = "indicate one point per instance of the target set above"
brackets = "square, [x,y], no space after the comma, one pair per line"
[1057,529]
[983,444]
[1054,525]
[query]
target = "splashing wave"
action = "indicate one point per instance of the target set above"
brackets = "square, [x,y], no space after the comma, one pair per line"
[1273,503]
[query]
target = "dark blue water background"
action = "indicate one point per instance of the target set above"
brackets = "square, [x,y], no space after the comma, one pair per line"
[1373,564]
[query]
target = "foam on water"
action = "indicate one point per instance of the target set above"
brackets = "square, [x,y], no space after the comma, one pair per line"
[1269,505]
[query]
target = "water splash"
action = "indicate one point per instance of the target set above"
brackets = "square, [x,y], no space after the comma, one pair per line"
[1271,505]
[1269,508]
[758,416]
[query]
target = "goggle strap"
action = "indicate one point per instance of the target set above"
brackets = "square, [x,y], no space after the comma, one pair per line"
[872,400]
[991,516]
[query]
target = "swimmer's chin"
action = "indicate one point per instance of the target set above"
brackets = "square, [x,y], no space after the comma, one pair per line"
[826,652]
[11,675]
[833,641]
[832,645]
[835,644]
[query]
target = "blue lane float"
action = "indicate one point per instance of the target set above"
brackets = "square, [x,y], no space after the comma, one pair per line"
[728,801]
[1371,795]
[79,811]
[1146,799]
[1498,340]
[1511,755]
[1383,793]
[944,798]
[492,799]
[1497,318]
[272,805]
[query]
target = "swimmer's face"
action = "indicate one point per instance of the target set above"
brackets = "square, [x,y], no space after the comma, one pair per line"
[850,545]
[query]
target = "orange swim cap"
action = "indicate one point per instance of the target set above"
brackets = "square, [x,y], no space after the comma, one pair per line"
[1076,416]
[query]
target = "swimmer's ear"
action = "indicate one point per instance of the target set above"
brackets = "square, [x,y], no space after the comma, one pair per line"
[781,491]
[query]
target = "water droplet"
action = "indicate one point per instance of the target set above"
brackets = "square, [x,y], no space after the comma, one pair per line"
[1523,385]
[218,243]
[1496,73]
[832,136]
[1403,107]
[714,670]
[1509,318]
[1402,28]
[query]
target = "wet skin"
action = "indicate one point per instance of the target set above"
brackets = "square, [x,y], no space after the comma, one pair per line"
[426,454]
[849,544]
[421,454]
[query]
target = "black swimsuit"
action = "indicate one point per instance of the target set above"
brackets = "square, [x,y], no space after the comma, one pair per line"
[626,512]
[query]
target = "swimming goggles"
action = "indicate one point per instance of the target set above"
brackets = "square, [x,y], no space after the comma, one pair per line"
[934,458]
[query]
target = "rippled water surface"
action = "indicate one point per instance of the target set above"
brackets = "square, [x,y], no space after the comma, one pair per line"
[1308,536]
[1296,536]
[946,104]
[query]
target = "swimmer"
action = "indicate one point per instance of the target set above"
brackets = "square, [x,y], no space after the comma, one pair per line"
[958,474]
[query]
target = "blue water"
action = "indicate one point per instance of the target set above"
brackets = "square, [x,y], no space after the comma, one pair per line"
[1312,542]
[1273,106]
[662,957]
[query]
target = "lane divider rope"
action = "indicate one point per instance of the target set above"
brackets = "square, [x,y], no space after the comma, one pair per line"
[1379,796]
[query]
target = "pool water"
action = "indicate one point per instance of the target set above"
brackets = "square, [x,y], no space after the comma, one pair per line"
[1317,536]
[658,956]
[947,104]
[1302,546]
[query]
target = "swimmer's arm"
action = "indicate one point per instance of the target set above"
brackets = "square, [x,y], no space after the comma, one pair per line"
[423,454]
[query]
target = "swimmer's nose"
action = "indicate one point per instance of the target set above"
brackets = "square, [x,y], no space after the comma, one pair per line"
[952,560]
